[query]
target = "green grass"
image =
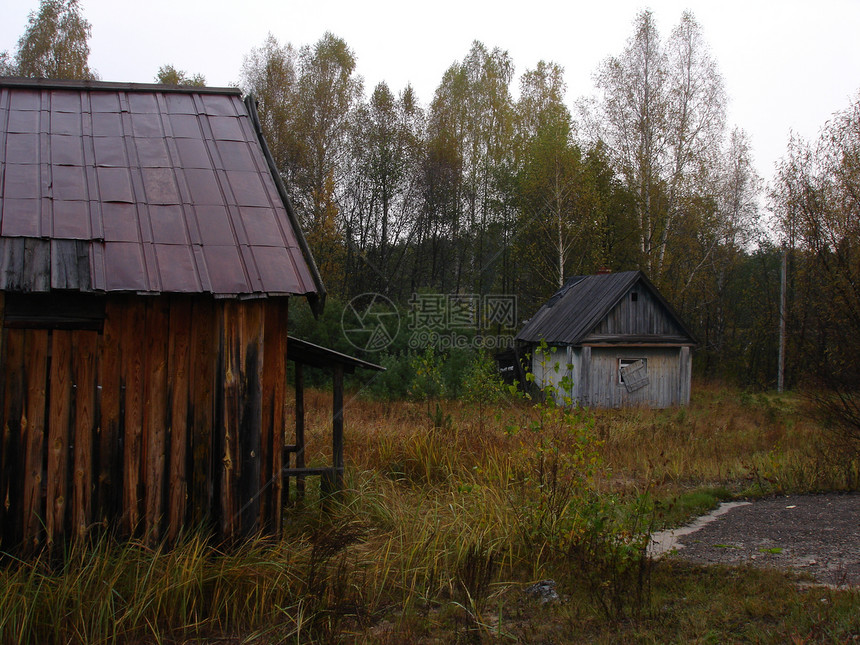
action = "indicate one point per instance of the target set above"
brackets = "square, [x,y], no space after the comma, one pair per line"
[441,529]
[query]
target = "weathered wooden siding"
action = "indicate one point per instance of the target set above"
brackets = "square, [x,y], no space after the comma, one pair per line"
[664,388]
[552,368]
[594,371]
[171,416]
[646,315]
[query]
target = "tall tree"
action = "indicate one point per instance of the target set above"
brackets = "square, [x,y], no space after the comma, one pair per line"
[305,100]
[327,90]
[7,65]
[470,126]
[169,75]
[550,174]
[816,197]
[661,113]
[55,43]
[382,188]
[269,74]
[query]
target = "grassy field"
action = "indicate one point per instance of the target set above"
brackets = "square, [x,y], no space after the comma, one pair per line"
[452,512]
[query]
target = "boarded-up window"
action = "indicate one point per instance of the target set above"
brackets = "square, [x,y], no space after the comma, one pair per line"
[632,373]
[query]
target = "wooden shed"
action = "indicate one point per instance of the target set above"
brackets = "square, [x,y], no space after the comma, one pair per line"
[612,341]
[147,254]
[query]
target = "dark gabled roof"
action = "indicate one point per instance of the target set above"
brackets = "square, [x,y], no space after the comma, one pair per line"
[574,311]
[109,187]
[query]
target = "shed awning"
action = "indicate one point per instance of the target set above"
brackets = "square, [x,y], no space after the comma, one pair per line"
[306,353]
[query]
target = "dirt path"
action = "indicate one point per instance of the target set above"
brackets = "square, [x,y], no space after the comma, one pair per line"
[814,534]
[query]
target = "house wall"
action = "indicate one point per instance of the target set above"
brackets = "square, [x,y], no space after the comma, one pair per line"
[171,415]
[595,375]
[552,368]
[668,370]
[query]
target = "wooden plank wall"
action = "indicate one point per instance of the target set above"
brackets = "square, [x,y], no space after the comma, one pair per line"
[165,420]
[664,373]
[644,316]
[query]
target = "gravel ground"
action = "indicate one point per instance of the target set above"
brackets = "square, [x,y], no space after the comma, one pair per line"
[814,534]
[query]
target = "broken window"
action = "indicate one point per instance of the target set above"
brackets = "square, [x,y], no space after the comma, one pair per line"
[633,373]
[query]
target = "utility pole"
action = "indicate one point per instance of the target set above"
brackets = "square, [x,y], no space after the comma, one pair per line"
[780,378]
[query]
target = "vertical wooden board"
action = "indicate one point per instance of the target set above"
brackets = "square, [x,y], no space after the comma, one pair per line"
[109,482]
[10,485]
[585,375]
[178,379]
[155,415]
[229,361]
[33,427]
[204,339]
[84,351]
[59,425]
[273,424]
[133,362]
[251,335]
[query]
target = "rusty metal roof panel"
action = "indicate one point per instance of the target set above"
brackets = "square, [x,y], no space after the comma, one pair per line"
[166,189]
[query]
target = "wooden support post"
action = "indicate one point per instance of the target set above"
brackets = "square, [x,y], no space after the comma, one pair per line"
[337,427]
[300,431]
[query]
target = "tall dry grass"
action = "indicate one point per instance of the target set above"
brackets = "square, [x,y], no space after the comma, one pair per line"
[437,525]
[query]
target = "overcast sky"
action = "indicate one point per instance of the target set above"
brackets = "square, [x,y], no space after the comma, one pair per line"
[787,65]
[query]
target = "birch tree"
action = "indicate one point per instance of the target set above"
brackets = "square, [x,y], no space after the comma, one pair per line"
[55,43]
[661,111]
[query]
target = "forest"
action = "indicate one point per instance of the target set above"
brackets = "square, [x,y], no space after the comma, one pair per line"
[496,190]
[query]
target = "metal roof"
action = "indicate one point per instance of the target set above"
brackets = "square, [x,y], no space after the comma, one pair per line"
[582,303]
[111,187]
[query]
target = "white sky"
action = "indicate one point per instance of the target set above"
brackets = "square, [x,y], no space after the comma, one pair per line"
[787,65]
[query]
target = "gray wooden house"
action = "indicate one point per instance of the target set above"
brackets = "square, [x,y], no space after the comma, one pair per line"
[612,341]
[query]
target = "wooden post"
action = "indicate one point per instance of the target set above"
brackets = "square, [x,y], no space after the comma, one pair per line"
[337,427]
[300,430]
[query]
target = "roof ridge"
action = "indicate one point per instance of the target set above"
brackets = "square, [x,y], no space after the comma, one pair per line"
[112,86]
